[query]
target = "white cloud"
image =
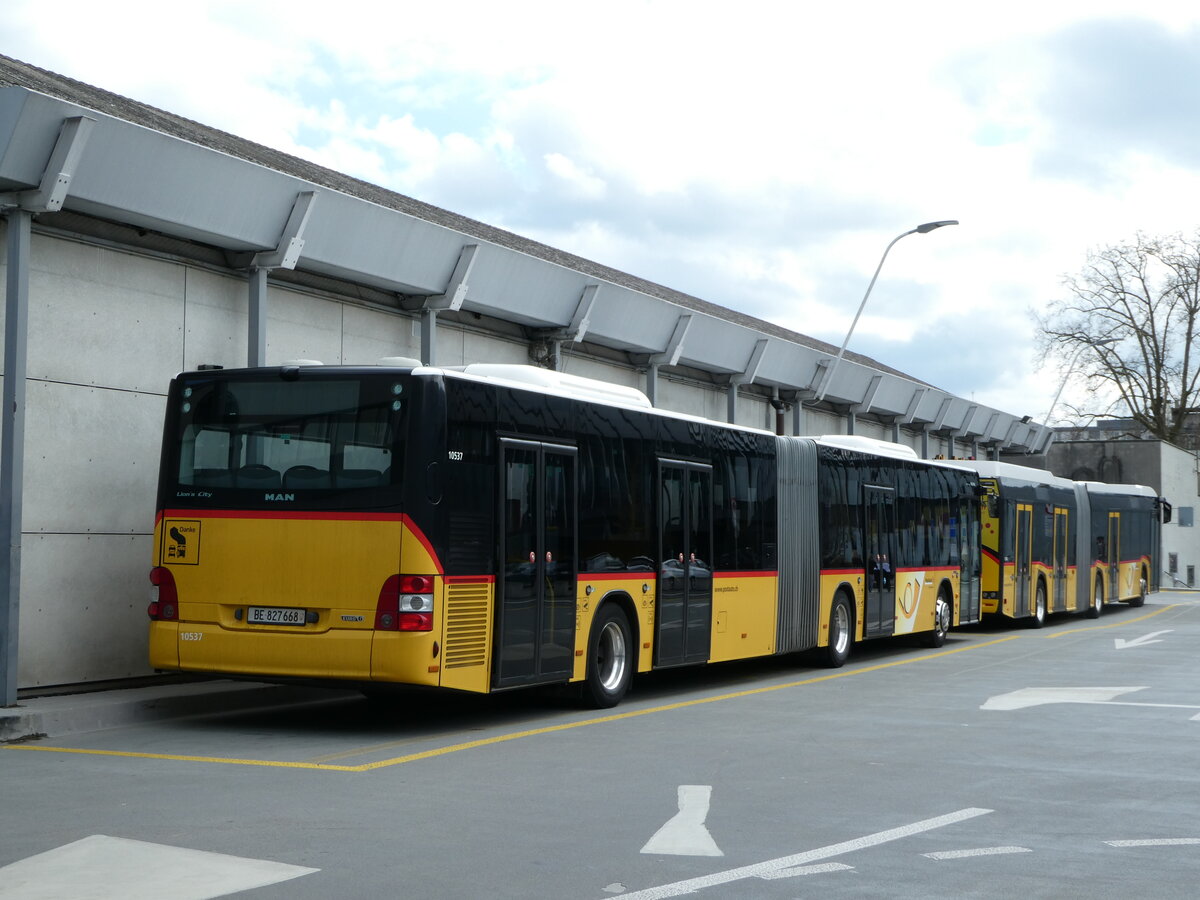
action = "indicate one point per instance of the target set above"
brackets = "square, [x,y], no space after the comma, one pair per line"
[576,180]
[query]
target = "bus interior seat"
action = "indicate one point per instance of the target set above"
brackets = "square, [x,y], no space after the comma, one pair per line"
[256,475]
[212,478]
[353,478]
[304,477]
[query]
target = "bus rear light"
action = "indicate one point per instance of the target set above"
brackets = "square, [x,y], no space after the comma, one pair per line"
[405,604]
[416,621]
[416,584]
[164,599]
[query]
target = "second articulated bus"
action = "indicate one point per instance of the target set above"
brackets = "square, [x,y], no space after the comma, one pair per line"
[1053,545]
[501,526]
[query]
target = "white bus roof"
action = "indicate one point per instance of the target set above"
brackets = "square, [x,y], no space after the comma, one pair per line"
[1101,487]
[1012,472]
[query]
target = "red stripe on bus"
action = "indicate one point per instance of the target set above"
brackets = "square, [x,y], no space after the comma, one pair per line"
[470,579]
[617,576]
[416,532]
[745,574]
[315,516]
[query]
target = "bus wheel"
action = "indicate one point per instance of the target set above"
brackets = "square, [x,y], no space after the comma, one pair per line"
[941,622]
[1140,599]
[1097,607]
[841,632]
[610,659]
[1038,619]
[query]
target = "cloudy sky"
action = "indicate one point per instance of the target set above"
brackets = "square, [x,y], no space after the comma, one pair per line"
[759,155]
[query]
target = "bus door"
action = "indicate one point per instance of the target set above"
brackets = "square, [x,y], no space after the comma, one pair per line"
[535,629]
[1113,556]
[1058,600]
[879,506]
[1022,553]
[683,621]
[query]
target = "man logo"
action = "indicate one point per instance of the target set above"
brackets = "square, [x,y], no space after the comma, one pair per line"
[288,498]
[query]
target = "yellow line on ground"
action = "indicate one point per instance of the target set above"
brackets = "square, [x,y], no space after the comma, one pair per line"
[178,758]
[517,735]
[1121,624]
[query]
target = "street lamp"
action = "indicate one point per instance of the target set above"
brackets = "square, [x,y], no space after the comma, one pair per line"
[920,229]
[1071,368]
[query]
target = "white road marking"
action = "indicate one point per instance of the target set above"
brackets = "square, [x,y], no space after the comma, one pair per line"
[1157,842]
[1039,696]
[819,869]
[685,833]
[980,851]
[1142,641]
[766,869]
[1096,696]
[111,868]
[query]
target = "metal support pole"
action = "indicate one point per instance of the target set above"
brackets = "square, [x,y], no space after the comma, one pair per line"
[924,443]
[429,337]
[256,337]
[797,418]
[851,421]
[652,383]
[12,446]
[731,404]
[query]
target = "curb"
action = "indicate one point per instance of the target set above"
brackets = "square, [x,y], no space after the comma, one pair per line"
[61,716]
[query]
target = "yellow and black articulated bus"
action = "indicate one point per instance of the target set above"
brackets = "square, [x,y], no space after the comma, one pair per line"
[1053,545]
[493,527]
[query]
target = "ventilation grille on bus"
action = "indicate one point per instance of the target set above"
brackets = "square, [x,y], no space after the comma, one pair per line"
[466,625]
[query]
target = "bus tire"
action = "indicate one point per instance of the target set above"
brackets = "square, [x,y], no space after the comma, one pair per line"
[1097,607]
[841,632]
[1038,619]
[1140,599]
[943,615]
[610,659]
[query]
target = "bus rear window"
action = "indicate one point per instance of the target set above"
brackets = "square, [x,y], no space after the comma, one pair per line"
[274,435]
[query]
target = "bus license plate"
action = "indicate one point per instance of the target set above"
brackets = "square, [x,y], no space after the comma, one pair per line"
[274,615]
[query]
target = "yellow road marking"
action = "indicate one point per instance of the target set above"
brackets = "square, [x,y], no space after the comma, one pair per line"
[179,758]
[553,729]
[1121,624]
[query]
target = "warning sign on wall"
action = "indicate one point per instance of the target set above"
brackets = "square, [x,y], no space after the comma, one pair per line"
[181,542]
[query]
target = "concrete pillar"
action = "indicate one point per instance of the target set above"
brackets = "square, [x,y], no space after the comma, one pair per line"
[12,446]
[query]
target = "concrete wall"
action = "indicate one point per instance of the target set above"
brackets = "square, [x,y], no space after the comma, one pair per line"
[1181,488]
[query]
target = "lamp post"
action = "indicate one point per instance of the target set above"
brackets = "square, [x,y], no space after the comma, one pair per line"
[1071,368]
[920,229]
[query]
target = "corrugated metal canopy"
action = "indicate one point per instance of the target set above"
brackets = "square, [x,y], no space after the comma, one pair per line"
[152,170]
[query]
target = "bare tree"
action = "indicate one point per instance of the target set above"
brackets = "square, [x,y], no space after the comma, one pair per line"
[1129,326]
